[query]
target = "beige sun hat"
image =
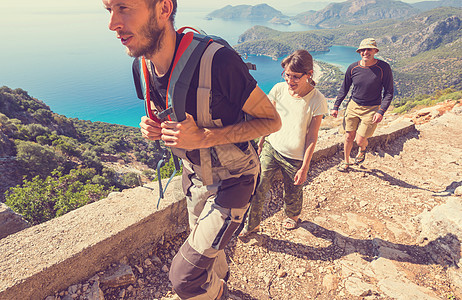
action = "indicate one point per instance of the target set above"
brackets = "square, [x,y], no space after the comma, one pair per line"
[368,44]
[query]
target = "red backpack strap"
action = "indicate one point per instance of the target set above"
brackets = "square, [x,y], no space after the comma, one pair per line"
[186,60]
[145,85]
[182,29]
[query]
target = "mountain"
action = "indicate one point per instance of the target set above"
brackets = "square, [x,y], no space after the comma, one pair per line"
[429,5]
[247,12]
[303,6]
[425,51]
[355,12]
[304,17]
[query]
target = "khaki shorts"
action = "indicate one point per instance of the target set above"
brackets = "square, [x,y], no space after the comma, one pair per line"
[359,118]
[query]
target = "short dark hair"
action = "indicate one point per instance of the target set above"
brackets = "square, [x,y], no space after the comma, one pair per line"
[152,4]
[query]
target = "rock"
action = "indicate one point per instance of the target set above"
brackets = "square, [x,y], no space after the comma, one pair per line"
[73,289]
[165,269]
[10,222]
[455,278]
[140,269]
[356,287]
[254,242]
[147,262]
[442,223]
[300,271]
[329,282]
[119,276]
[397,289]
[281,273]
[458,191]
[156,260]
[95,292]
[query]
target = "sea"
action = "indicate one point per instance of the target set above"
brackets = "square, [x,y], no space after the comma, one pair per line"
[70,60]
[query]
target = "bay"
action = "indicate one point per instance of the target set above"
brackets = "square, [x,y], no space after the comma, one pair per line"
[71,61]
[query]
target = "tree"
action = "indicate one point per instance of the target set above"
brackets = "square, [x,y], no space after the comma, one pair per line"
[36,159]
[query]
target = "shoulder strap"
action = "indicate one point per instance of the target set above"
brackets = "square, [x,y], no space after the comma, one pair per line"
[204,117]
[145,84]
[189,53]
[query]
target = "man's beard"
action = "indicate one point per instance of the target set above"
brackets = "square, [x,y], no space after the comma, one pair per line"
[153,36]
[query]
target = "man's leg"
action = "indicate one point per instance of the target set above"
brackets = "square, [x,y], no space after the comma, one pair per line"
[362,142]
[365,130]
[200,263]
[349,140]
[350,125]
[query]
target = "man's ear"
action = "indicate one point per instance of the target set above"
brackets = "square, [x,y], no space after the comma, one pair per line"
[165,8]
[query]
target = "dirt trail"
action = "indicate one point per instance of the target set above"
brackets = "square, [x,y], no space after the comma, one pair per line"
[362,235]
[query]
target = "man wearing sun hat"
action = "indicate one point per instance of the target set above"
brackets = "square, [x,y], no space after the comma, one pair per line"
[371,96]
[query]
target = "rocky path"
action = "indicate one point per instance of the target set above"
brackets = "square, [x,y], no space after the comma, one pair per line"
[388,229]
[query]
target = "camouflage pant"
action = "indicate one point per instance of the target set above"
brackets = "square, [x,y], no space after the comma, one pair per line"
[271,161]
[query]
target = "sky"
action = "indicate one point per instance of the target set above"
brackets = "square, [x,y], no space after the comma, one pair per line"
[91,5]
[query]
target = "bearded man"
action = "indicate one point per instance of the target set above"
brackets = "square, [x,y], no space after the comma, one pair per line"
[216,207]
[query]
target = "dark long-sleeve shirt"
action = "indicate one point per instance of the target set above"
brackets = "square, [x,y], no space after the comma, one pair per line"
[368,84]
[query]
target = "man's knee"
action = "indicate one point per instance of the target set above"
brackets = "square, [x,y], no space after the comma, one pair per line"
[188,279]
[361,141]
[350,136]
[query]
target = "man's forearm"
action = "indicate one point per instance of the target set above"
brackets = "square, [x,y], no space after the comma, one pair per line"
[240,132]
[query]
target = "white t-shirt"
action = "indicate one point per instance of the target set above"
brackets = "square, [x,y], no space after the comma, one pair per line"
[296,115]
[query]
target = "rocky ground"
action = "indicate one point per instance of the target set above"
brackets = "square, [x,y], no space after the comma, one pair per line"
[390,228]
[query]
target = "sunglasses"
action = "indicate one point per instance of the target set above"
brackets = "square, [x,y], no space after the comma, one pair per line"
[368,49]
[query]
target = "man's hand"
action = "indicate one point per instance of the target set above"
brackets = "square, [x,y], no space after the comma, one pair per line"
[300,177]
[149,129]
[334,113]
[377,118]
[185,134]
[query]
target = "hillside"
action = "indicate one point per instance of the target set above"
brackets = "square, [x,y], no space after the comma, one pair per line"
[247,12]
[355,12]
[84,160]
[424,51]
[429,5]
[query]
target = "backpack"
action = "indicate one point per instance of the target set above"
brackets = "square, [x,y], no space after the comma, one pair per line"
[189,54]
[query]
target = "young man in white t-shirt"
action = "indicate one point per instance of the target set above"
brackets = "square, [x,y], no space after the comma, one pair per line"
[301,108]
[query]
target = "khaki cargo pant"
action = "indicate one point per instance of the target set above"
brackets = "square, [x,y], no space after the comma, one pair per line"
[215,212]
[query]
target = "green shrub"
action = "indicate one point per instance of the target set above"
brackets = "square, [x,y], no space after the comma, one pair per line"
[40,200]
[131,179]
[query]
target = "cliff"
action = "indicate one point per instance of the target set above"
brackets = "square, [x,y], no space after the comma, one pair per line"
[355,12]
[247,12]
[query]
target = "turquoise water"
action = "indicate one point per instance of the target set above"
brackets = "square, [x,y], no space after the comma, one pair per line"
[72,62]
